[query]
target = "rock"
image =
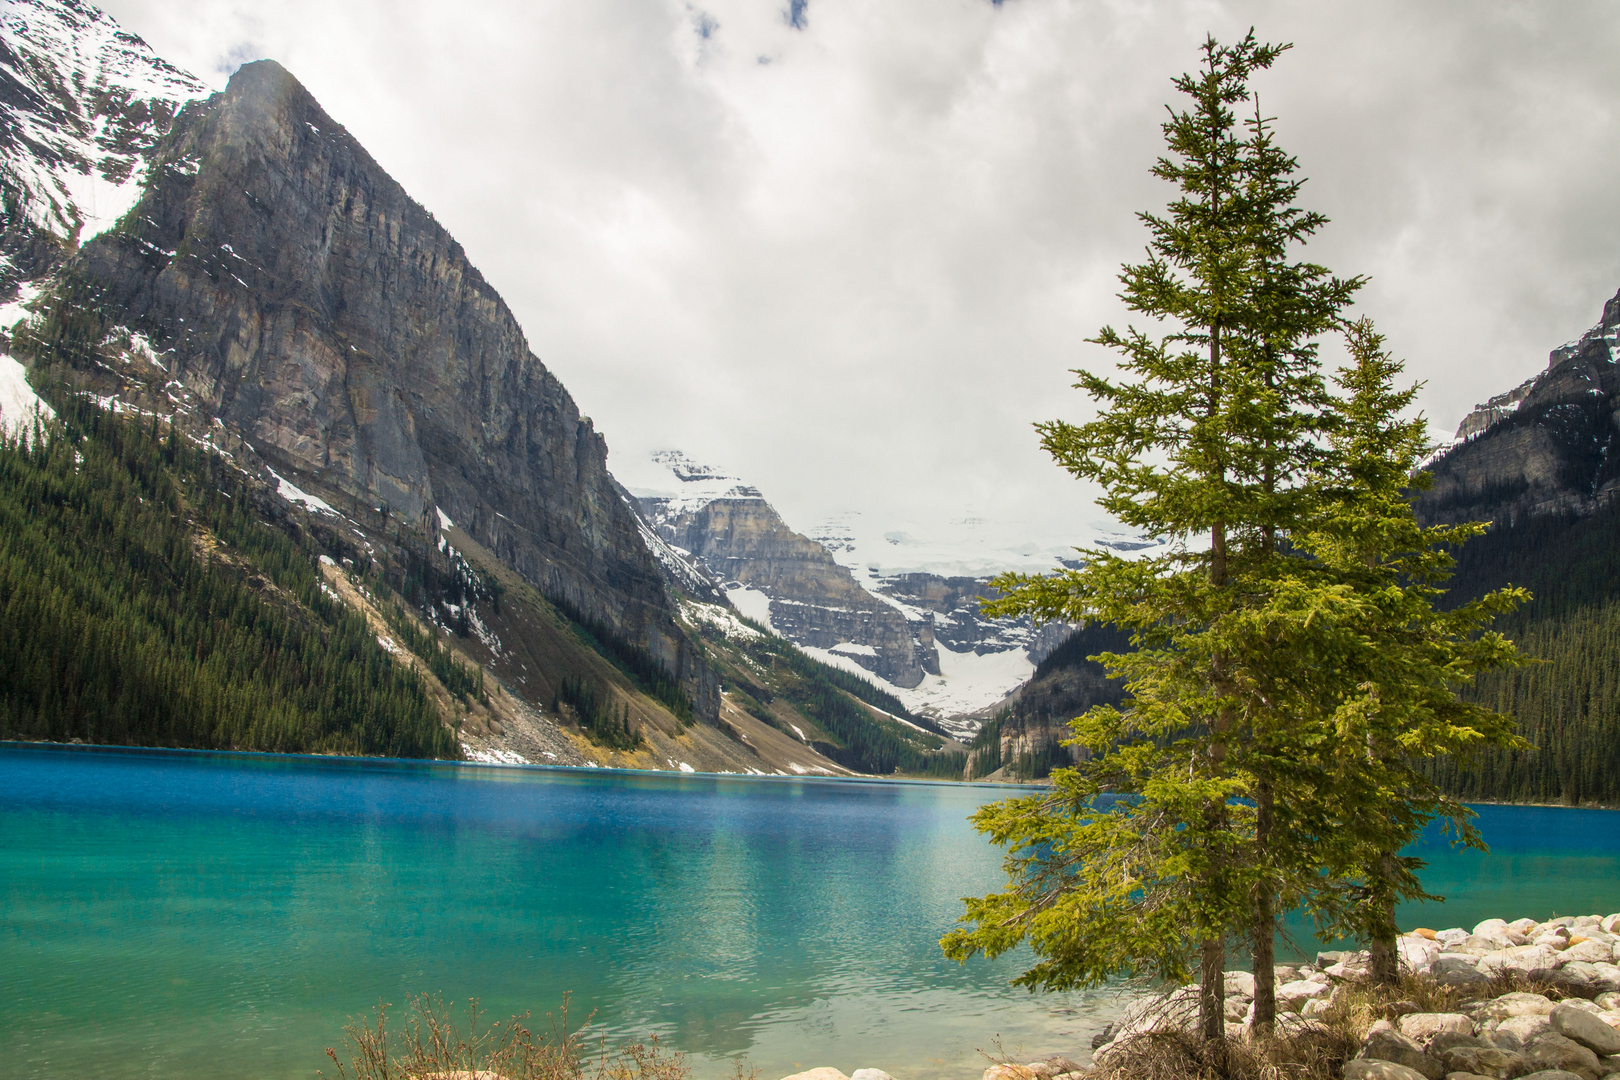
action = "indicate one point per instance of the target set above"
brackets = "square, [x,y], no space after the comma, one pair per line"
[1488,942]
[1424,932]
[870,1074]
[1417,954]
[1458,971]
[1525,959]
[1293,995]
[1397,1009]
[1328,957]
[1237,1008]
[1106,1035]
[1586,1029]
[1484,1061]
[1550,1050]
[1004,1071]
[1465,1076]
[1294,1025]
[1316,1007]
[1045,1070]
[1421,1027]
[1391,1045]
[1370,1069]
[1454,936]
[1611,924]
[1525,1028]
[1552,1074]
[1447,1040]
[1608,1001]
[1240,984]
[1607,977]
[827,1072]
[1515,1004]
[1491,926]
[1521,926]
[1506,1040]
[1062,1064]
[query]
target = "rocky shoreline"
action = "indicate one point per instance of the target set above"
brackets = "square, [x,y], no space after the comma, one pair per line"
[1522,1000]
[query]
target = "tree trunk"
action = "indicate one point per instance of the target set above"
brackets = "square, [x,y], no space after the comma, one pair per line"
[1265,921]
[1212,990]
[1385,961]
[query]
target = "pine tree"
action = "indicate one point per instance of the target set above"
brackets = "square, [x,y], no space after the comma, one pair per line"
[1204,445]
[1289,665]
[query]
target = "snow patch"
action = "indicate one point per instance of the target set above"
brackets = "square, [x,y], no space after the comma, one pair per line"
[20,407]
[495,756]
[722,620]
[751,602]
[850,648]
[15,311]
[444,519]
[293,494]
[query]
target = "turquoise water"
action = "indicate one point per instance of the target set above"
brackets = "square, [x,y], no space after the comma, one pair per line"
[190,915]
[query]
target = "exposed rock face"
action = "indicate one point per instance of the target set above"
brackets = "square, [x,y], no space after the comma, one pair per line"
[740,538]
[958,624]
[297,291]
[1545,447]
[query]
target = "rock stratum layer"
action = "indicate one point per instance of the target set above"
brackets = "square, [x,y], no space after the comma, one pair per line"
[285,280]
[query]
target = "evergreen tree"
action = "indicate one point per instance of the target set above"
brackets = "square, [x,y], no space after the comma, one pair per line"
[1288,664]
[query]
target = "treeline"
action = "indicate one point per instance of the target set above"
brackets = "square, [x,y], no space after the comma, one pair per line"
[858,740]
[631,660]
[602,723]
[464,682]
[1045,750]
[144,602]
[1567,704]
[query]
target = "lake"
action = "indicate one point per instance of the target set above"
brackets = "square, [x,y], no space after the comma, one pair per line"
[184,915]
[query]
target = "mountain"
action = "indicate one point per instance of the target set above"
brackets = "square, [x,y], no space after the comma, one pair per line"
[84,103]
[1544,447]
[224,303]
[782,578]
[920,632]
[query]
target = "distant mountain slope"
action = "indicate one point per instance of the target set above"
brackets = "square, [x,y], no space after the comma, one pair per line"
[920,632]
[738,537]
[1547,446]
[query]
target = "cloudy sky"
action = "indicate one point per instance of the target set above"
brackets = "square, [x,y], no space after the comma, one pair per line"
[848,249]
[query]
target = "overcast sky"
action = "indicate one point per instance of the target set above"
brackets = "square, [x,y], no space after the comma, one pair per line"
[849,248]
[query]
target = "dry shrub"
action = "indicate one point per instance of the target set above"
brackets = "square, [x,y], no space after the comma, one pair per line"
[1311,1055]
[433,1046]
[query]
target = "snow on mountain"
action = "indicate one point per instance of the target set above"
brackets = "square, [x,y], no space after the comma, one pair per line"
[83,102]
[928,587]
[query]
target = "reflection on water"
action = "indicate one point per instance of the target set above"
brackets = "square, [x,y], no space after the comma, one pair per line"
[190,915]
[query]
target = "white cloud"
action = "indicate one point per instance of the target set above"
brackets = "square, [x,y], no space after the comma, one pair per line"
[853,262]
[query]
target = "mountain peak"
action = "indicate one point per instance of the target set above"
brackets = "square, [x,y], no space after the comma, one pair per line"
[84,101]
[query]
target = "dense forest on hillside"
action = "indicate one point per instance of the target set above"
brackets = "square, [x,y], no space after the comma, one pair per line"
[143,601]
[830,700]
[1567,704]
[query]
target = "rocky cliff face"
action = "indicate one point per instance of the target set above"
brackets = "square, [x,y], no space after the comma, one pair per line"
[733,533]
[303,300]
[953,604]
[1546,446]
